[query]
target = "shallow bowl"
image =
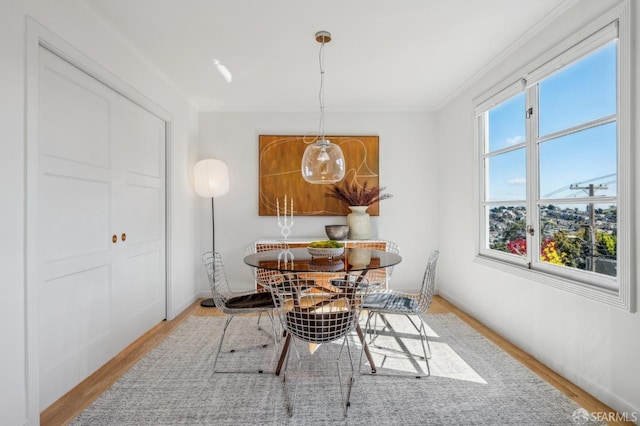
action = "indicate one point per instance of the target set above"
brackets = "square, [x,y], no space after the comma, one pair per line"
[337,232]
[324,264]
[325,252]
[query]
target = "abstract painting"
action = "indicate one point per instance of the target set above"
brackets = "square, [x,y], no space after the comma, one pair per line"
[280,175]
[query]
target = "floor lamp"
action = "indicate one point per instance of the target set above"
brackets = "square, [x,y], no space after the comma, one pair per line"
[211,179]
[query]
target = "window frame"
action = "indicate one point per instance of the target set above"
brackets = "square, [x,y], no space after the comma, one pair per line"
[615,291]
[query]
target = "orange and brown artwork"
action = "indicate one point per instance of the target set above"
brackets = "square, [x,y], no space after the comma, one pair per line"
[280,175]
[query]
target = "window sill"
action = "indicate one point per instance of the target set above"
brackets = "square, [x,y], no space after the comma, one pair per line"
[606,296]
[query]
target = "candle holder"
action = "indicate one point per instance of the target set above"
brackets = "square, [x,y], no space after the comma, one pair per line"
[285,256]
[287,222]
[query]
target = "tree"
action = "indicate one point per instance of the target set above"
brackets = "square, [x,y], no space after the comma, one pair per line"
[571,247]
[606,244]
[515,231]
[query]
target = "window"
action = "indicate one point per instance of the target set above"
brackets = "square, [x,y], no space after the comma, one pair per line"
[554,168]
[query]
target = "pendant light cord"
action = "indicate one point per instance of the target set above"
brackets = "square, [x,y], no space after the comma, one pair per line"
[321,93]
[322,161]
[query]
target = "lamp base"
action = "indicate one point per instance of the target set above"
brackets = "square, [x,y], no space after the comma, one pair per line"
[208,303]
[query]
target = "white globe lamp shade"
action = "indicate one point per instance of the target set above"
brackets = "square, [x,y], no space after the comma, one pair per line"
[323,163]
[211,178]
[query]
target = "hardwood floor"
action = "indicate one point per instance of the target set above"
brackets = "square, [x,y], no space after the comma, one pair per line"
[70,405]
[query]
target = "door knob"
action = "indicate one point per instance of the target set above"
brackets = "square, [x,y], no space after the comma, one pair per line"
[123,237]
[114,238]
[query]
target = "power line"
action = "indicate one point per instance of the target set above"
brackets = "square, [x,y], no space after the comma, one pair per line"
[592,188]
[564,188]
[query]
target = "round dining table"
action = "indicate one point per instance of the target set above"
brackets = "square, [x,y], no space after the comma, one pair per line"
[300,261]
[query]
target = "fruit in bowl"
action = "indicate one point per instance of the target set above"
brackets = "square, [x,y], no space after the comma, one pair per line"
[328,248]
[326,244]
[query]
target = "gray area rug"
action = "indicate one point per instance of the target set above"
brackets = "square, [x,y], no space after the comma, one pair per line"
[472,382]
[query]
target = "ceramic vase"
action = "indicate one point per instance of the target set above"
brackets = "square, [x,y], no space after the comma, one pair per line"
[359,223]
[359,257]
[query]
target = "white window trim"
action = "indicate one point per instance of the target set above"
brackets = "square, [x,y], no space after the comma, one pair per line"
[624,296]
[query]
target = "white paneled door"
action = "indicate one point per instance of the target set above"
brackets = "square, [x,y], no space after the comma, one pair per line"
[101,224]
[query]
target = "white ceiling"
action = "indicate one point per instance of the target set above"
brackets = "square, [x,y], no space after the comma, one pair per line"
[400,55]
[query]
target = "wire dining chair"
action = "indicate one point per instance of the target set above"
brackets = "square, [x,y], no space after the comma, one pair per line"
[392,302]
[262,276]
[235,303]
[319,321]
[378,278]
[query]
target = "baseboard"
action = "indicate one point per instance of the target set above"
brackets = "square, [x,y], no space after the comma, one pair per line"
[596,391]
[180,309]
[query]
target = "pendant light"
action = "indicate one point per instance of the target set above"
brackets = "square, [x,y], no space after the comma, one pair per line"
[323,161]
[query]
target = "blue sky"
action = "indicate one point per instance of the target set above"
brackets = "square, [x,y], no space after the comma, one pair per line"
[580,93]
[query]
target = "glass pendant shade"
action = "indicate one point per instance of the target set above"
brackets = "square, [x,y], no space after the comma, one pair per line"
[323,162]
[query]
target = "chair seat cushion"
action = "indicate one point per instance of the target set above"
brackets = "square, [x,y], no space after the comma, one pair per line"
[250,301]
[301,285]
[389,301]
[361,286]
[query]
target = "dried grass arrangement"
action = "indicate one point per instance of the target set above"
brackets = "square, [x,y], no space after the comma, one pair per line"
[357,195]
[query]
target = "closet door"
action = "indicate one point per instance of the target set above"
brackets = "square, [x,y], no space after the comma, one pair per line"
[101,224]
[138,212]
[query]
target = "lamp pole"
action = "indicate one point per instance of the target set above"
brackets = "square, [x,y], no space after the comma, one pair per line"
[211,178]
[210,303]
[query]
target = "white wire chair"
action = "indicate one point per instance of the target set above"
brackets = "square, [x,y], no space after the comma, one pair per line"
[262,276]
[265,278]
[234,303]
[392,302]
[319,316]
[378,278]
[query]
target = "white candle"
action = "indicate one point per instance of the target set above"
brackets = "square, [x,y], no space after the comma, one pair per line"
[285,205]
[291,207]
[278,207]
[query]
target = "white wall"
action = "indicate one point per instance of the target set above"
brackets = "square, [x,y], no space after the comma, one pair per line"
[12,313]
[80,27]
[591,344]
[426,161]
[408,169]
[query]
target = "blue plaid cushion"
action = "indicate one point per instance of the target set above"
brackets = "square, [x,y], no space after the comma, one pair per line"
[389,301]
